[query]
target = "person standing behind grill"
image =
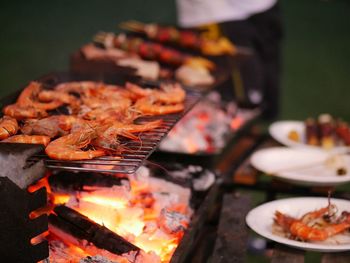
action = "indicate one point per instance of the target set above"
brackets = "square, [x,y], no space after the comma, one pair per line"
[255,24]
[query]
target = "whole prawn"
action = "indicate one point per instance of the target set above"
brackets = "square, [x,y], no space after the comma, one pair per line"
[29,97]
[24,112]
[63,97]
[168,93]
[30,139]
[304,228]
[148,105]
[111,114]
[52,126]
[69,147]
[8,127]
[108,138]
[27,104]
[79,87]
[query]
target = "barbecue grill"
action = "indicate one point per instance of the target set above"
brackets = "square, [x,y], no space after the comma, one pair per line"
[136,151]
[126,163]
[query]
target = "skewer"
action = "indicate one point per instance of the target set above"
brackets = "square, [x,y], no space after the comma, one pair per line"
[133,25]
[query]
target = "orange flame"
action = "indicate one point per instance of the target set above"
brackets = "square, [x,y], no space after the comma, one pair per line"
[132,214]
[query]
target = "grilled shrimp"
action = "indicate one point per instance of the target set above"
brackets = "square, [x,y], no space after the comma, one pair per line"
[30,139]
[8,127]
[134,128]
[127,130]
[168,93]
[106,115]
[29,94]
[171,94]
[108,143]
[98,102]
[304,228]
[136,91]
[148,105]
[108,138]
[27,105]
[29,97]
[69,147]
[79,87]
[23,112]
[52,126]
[306,232]
[54,95]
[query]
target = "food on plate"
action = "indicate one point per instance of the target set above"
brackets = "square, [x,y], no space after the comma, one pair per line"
[325,131]
[184,38]
[342,171]
[100,116]
[294,136]
[314,226]
[311,132]
[343,132]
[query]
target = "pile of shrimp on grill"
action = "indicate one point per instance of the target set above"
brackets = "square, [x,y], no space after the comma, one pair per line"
[314,226]
[99,116]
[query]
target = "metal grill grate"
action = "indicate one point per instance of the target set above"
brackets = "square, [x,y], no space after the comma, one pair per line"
[136,151]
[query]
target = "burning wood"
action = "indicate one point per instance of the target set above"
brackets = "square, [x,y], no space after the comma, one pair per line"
[78,181]
[148,214]
[85,229]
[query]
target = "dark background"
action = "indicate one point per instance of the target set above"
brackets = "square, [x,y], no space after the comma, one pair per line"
[37,37]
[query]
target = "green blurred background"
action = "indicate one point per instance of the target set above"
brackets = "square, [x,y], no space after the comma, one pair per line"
[38,36]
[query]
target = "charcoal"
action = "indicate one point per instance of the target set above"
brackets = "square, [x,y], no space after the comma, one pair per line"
[81,227]
[71,181]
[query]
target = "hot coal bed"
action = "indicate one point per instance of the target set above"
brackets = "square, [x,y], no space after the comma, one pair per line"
[101,217]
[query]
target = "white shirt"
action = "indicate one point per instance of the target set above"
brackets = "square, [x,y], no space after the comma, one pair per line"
[200,12]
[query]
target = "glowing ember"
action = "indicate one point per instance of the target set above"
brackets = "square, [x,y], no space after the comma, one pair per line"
[206,127]
[150,213]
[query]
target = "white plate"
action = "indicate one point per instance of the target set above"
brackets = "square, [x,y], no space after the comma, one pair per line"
[260,219]
[279,131]
[303,166]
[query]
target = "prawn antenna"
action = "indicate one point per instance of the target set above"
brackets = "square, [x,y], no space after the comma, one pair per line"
[161,167]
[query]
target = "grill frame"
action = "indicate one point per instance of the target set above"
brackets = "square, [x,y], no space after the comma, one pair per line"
[129,161]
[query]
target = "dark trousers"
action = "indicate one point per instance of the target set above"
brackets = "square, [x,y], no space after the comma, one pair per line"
[259,73]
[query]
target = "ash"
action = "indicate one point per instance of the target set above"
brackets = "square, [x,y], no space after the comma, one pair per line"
[96,259]
[173,222]
[207,127]
[201,179]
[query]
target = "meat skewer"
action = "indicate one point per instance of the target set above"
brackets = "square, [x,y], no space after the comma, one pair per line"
[184,38]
